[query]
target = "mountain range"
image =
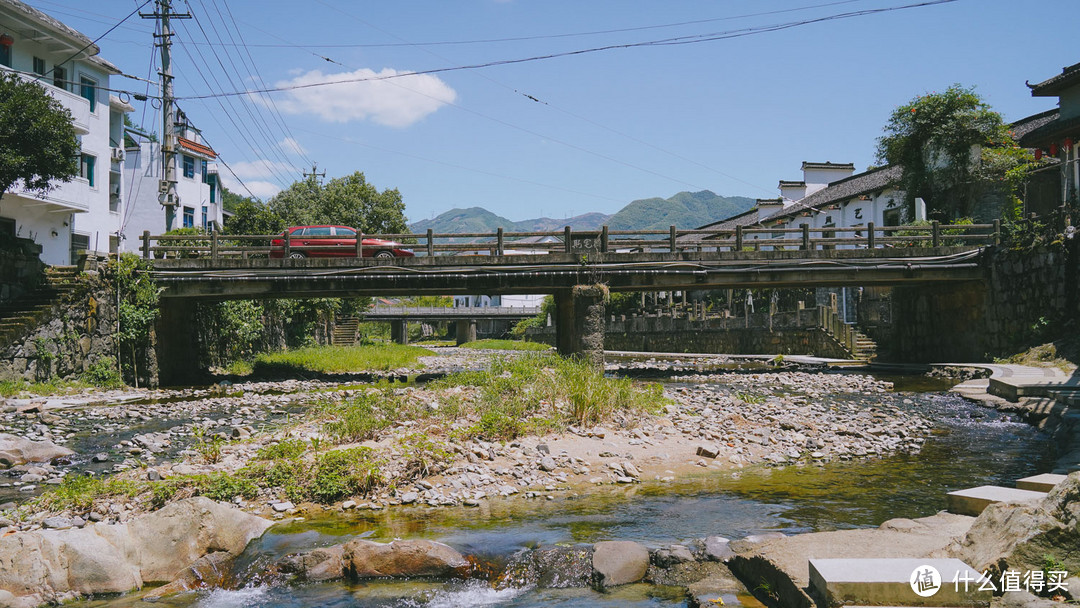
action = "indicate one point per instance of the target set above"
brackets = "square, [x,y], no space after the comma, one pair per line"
[684,210]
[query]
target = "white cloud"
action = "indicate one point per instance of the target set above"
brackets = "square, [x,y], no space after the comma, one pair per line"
[291,146]
[255,175]
[398,102]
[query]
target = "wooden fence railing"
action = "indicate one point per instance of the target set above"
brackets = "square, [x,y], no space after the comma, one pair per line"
[216,245]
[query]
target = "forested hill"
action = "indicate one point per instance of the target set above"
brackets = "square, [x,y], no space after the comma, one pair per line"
[685,210]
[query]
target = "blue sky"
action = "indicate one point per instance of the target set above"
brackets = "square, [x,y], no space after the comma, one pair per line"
[582,132]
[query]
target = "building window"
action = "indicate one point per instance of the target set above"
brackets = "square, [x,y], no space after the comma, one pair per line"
[212,180]
[88,91]
[5,55]
[202,167]
[189,166]
[7,226]
[205,215]
[39,66]
[891,217]
[86,168]
[189,217]
[60,77]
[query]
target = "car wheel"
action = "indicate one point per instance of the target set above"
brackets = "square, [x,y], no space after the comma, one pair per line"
[297,255]
[384,255]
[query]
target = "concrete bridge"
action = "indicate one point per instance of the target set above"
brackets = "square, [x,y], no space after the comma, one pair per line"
[465,317]
[580,270]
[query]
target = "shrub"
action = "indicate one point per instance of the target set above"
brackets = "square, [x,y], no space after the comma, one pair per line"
[104,373]
[342,473]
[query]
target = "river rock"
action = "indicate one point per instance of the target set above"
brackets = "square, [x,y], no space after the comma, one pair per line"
[401,558]
[325,564]
[549,567]
[619,562]
[209,571]
[16,450]
[58,565]
[1018,536]
[716,548]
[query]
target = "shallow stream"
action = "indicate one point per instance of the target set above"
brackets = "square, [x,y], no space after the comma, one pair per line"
[969,446]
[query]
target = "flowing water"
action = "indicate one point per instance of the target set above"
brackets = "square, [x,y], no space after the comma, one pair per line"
[970,446]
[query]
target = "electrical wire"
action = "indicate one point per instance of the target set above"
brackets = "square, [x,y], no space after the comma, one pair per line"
[692,39]
[94,41]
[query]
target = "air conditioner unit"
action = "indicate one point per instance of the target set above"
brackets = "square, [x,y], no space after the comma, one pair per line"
[118,154]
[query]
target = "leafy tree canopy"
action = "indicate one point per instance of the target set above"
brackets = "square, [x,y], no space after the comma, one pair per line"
[348,201]
[37,139]
[933,138]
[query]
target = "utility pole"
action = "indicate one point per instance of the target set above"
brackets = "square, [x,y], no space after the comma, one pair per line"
[314,175]
[167,194]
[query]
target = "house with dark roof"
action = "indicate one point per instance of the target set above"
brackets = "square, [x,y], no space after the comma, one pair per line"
[198,184]
[1056,133]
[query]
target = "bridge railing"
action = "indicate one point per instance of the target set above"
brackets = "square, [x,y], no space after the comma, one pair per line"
[499,242]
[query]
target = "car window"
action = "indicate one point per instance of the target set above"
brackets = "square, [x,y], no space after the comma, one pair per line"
[318,231]
[348,232]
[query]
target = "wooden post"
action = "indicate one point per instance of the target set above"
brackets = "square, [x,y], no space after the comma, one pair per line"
[568,244]
[997,232]
[671,239]
[806,237]
[214,246]
[603,239]
[499,238]
[871,239]
[935,233]
[430,243]
[146,244]
[738,238]
[288,243]
[359,245]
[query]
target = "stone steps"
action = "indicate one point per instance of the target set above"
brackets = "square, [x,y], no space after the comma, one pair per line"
[888,582]
[973,501]
[345,331]
[1040,483]
[19,317]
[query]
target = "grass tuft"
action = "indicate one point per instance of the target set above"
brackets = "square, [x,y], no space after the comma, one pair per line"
[336,359]
[506,345]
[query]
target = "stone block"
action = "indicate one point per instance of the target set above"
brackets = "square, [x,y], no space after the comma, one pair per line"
[972,501]
[888,582]
[1040,483]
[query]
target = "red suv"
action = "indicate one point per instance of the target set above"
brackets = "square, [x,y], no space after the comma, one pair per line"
[332,241]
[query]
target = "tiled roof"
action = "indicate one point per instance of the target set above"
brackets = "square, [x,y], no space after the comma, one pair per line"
[197,148]
[1051,131]
[1053,86]
[31,13]
[841,190]
[827,165]
[1022,127]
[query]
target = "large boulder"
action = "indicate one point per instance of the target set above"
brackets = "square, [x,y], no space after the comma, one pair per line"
[15,450]
[619,562]
[401,558]
[209,571]
[323,564]
[1020,537]
[57,565]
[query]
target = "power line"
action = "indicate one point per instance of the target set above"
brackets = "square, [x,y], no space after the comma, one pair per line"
[94,41]
[678,40]
[596,124]
[551,36]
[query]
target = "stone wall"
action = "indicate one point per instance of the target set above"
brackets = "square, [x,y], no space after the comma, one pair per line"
[1027,298]
[78,332]
[787,333]
[21,269]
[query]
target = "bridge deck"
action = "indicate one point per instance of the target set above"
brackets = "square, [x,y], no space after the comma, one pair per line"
[236,278]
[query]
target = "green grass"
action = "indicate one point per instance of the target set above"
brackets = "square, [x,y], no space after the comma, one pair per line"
[331,359]
[506,345]
[540,392]
[13,388]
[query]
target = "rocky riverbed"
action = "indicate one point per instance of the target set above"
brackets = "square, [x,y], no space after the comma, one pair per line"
[710,421]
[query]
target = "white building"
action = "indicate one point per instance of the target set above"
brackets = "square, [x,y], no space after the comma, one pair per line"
[83,213]
[198,186]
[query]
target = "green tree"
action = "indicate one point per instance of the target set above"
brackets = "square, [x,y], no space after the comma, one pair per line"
[252,217]
[936,139]
[37,138]
[349,201]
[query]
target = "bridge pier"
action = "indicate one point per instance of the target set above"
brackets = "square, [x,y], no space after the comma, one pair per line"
[177,353]
[465,331]
[579,322]
[399,331]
